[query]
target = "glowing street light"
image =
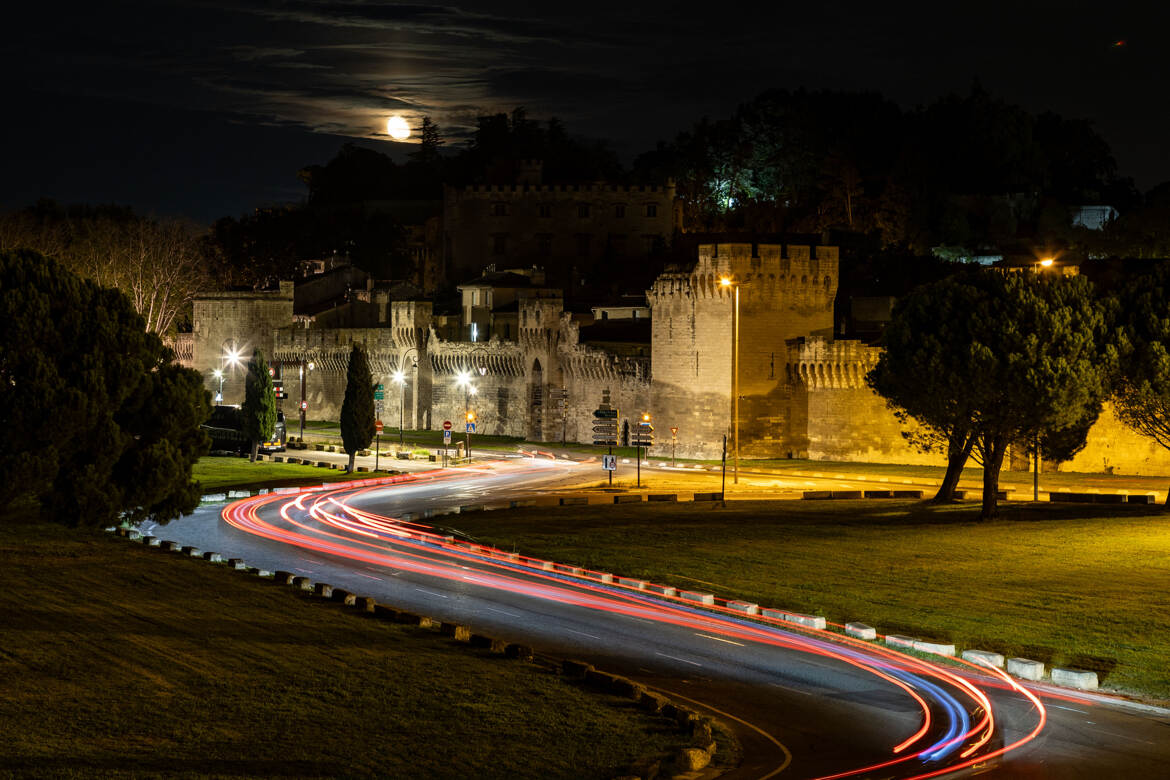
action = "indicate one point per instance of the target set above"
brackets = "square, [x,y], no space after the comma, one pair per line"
[727,281]
[218,374]
[399,378]
[1047,262]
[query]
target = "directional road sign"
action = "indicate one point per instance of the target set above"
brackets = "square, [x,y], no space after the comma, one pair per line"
[609,462]
[605,414]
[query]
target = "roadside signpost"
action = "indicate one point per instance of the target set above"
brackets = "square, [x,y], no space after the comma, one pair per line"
[377,442]
[378,392]
[643,437]
[605,431]
[673,443]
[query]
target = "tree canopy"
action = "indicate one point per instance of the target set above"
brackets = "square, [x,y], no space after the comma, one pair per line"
[990,359]
[357,409]
[97,421]
[1143,392]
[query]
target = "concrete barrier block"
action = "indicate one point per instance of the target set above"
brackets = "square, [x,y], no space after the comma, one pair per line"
[1110,498]
[304,583]
[897,640]
[860,631]
[746,607]
[212,557]
[848,494]
[708,497]
[662,497]
[574,500]
[1025,668]
[265,573]
[283,577]
[470,508]
[601,577]
[652,702]
[692,759]
[278,459]
[701,598]
[519,652]
[879,493]
[236,563]
[481,641]
[566,569]
[628,498]
[575,668]
[239,494]
[907,494]
[1142,499]
[151,541]
[984,658]
[365,603]
[817,495]
[936,648]
[632,583]
[664,590]
[192,551]
[459,633]
[323,590]
[808,621]
[344,597]
[602,681]
[385,612]
[364,469]
[323,464]
[1080,679]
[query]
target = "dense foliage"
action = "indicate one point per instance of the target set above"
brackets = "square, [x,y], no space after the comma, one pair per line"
[259,408]
[1143,393]
[97,422]
[357,408]
[987,359]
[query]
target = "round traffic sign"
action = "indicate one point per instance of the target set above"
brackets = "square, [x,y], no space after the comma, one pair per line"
[446,425]
[378,426]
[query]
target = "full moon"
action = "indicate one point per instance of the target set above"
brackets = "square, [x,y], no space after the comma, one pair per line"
[398,129]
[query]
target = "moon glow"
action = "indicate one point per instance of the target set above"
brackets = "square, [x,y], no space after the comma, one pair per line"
[398,129]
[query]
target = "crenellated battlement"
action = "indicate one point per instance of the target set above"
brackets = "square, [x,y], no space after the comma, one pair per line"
[798,273]
[820,364]
[499,358]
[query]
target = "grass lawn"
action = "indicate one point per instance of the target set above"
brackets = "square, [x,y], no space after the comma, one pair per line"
[119,660]
[1069,585]
[217,473]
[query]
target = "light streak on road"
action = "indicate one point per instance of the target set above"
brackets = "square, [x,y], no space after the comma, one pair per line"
[325,521]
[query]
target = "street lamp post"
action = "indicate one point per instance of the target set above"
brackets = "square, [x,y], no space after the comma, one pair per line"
[218,374]
[399,378]
[729,282]
[303,374]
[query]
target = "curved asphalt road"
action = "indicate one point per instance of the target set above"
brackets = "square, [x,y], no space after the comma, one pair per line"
[802,707]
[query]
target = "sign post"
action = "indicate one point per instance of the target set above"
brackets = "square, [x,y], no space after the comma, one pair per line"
[377,442]
[673,444]
[643,437]
[605,431]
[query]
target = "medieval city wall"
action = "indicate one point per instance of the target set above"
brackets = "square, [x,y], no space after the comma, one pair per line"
[844,419]
[784,292]
[1114,448]
[240,320]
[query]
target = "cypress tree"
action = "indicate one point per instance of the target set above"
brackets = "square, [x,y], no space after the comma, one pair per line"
[357,410]
[259,402]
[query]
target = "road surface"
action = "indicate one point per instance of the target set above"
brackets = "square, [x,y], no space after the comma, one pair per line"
[802,704]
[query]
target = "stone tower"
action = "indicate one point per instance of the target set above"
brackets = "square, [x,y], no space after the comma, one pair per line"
[785,292]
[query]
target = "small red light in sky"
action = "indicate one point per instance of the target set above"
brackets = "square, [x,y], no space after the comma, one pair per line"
[1119,43]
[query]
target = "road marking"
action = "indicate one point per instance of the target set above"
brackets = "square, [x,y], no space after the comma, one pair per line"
[431,592]
[1122,736]
[582,633]
[367,576]
[306,571]
[504,612]
[720,639]
[676,658]
[1070,709]
[476,580]
[787,753]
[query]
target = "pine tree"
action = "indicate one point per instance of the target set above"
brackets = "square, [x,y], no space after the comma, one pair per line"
[259,402]
[357,410]
[97,422]
[430,139]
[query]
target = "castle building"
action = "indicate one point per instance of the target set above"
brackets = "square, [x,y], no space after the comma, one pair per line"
[538,372]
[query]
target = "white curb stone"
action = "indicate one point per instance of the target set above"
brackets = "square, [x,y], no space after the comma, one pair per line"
[745,607]
[1025,668]
[1075,678]
[629,583]
[808,621]
[665,590]
[983,657]
[934,647]
[702,598]
[897,640]
[860,631]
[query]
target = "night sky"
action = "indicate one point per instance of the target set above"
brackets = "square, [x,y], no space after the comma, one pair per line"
[209,108]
